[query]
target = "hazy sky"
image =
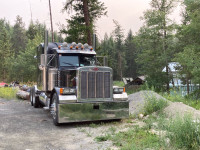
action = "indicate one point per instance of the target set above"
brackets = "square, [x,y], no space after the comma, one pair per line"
[126,12]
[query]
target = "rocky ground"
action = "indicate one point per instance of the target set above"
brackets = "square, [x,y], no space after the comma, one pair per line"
[23,127]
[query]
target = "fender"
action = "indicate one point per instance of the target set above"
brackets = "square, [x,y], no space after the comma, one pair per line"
[55,90]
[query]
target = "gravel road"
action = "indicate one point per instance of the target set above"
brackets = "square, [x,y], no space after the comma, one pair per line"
[23,127]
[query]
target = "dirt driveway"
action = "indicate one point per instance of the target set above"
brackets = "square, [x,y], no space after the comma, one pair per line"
[23,127]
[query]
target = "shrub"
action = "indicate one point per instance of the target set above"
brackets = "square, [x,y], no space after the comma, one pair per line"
[152,104]
[8,93]
[184,133]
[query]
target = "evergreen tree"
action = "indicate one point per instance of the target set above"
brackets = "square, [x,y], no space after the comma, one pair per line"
[23,67]
[5,49]
[119,50]
[19,39]
[130,56]
[189,43]
[81,25]
[156,43]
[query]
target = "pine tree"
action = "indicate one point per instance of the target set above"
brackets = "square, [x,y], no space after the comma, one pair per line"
[81,25]
[5,49]
[156,43]
[130,56]
[19,39]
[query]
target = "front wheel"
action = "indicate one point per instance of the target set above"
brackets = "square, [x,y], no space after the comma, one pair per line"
[35,99]
[54,109]
[31,96]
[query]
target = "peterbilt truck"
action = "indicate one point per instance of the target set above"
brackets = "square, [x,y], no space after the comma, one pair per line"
[73,87]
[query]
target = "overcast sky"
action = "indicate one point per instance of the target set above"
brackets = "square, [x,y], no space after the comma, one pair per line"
[126,12]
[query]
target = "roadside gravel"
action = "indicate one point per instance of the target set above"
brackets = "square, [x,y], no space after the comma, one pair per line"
[24,127]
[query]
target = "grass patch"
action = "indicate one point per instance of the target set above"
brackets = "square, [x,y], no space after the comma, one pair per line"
[186,100]
[152,104]
[8,93]
[184,133]
[118,83]
[137,139]
[103,138]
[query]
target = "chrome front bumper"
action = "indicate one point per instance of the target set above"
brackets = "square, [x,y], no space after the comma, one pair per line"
[80,112]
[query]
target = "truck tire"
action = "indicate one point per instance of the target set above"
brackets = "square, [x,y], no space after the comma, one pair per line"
[31,96]
[35,99]
[54,109]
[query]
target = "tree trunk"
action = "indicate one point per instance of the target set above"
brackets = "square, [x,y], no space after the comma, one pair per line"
[165,49]
[87,21]
[188,87]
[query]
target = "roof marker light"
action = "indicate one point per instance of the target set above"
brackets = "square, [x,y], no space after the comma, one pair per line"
[73,44]
[64,44]
[86,46]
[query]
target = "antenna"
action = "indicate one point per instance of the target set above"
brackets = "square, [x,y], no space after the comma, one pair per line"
[51,22]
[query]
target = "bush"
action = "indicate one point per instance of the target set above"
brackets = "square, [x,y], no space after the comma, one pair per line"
[184,133]
[8,93]
[152,104]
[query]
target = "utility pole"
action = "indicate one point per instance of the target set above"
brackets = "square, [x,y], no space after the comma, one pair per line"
[51,22]
[31,12]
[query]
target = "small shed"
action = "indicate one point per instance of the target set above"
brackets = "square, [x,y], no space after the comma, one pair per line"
[139,80]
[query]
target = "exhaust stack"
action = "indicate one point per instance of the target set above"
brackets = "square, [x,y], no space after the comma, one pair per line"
[45,61]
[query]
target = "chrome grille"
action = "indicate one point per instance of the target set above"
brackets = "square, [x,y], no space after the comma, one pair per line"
[95,85]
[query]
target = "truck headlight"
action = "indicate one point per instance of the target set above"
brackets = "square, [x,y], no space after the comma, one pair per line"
[67,91]
[118,90]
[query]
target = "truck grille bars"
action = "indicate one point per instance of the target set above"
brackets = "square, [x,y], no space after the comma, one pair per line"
[95,85]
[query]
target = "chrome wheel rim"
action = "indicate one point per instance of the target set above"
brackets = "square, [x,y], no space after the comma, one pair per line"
[53,109]
[33,99]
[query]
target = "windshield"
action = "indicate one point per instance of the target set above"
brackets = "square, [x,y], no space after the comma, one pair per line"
[76,61]
[87,60]
[69,61]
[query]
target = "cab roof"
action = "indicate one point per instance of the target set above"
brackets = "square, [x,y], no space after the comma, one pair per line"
[71,48]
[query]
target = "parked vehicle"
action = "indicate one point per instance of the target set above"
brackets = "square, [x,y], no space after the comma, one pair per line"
[74,88]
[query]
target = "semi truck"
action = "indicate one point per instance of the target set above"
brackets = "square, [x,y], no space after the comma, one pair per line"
[74,86]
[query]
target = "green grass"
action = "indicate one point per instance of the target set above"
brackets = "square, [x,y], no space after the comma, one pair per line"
[184,133]
[8,93]
[152,104]
[137,139]
[103,138]
[118,83]
[186,100]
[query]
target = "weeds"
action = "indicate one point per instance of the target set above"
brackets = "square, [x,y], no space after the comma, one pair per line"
[184,133]
[103,138]
[137,139]
[112,130]
[152,104]
[8,93]
[186,100]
